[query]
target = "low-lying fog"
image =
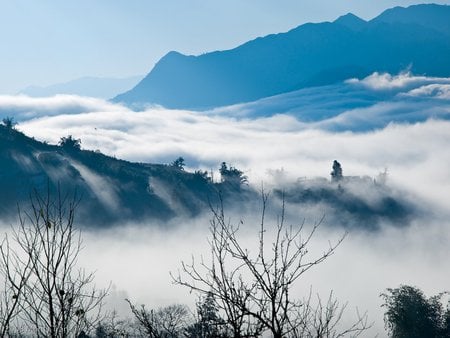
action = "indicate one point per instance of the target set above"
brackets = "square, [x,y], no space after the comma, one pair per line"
[279,149]
[138,261]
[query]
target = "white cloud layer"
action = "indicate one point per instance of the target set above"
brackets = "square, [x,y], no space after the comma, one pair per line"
[402,81]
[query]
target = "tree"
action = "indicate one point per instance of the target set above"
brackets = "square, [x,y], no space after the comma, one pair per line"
[52,296]
[253,290]
[70,143]
[165,322]
[232,175]
[15,273]
[336,173]
[410,314]
[209,324]
[323,320]
[112,326]
[178,163]
[9,122]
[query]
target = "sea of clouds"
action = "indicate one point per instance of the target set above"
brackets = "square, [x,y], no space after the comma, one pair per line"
[396,122]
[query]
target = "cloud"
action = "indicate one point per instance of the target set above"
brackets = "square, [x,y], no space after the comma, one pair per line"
[357,105]
[385,81]
[415,153]
[24,107]
[440,91]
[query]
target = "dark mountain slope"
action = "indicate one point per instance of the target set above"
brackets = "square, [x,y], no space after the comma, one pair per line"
[112,191]
[415,38]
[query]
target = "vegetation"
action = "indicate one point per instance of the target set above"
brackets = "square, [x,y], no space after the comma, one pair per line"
[409,314]
[9,122]
[254,290]
[166,322]
[178,163]
[70,143]
[45,294]
[336,173]
[232,175]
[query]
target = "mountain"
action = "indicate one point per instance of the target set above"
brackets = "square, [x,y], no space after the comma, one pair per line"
[428,16]
[416,38]
[104,88]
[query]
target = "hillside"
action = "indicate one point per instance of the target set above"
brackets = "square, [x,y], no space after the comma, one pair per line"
[112,191]
[415,38]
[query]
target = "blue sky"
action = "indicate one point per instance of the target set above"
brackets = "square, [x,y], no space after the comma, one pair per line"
[46,41]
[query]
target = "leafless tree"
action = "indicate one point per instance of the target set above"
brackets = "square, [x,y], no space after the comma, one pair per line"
[44,288]
[254,289]
[165,322]
[14,273]
[319,320]
[112,326]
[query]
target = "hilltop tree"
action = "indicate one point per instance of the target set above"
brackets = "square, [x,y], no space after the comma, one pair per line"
[232,175]
[70,143]
[336,173]
[9,122]
[178,163]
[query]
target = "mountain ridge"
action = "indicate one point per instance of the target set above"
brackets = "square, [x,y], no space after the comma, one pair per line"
[112,191]
[307,55]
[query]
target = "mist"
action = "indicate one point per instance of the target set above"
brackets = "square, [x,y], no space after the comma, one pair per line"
[137,261]
[276,148]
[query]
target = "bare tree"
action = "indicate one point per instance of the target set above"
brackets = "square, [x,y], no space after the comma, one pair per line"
[51,296]
[113,327]
[14,272]
[323,320]
[165,322]
[254,289]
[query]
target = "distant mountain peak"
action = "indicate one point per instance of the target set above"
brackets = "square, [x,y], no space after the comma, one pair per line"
[427,15]
[351,21]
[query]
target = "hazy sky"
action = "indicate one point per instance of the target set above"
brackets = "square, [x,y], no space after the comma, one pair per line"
[45,42]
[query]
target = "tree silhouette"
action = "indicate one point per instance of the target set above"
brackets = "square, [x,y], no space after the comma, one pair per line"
[70,143]
[254,288]
[232,175]
[409,314]
[209,324]
[178,163]
[9,122]
[46,293]
[336,173]
[165,322]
